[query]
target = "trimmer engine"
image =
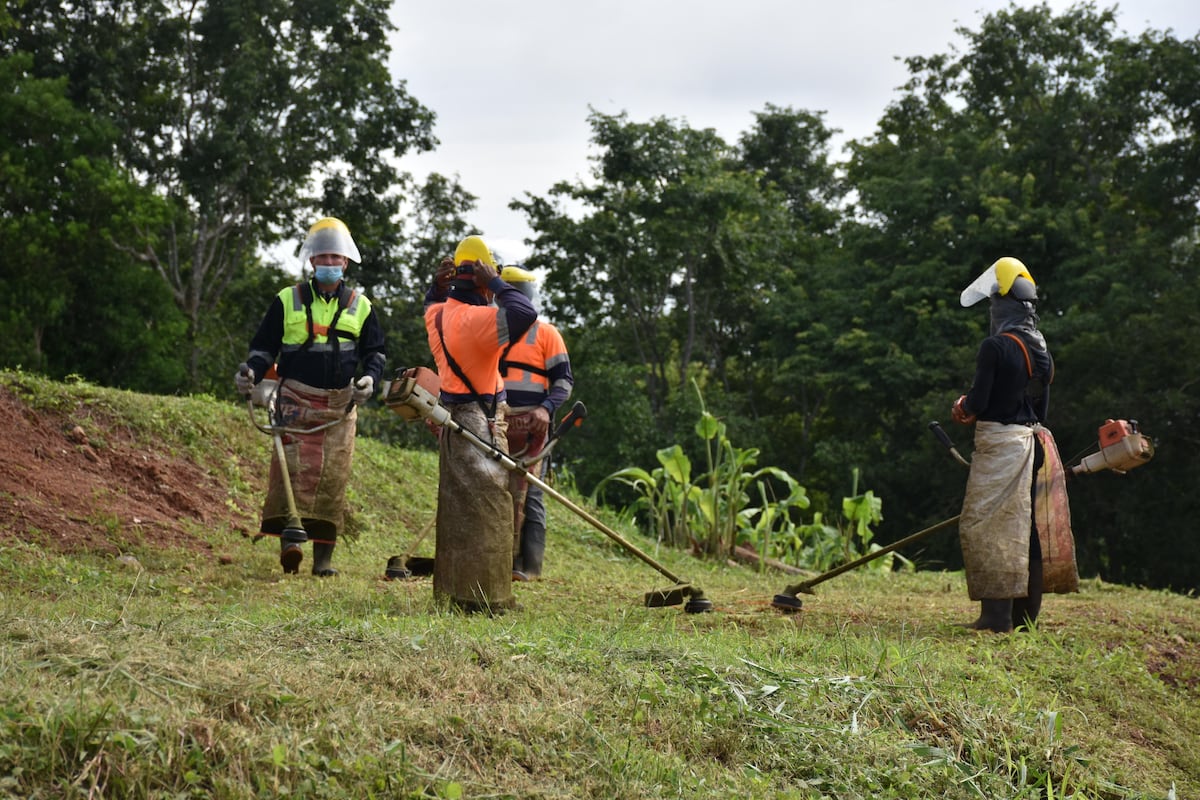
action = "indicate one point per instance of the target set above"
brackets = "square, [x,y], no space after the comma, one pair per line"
[414,395]
[1122,448]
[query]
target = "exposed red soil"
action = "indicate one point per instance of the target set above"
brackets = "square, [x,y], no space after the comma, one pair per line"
[61,490]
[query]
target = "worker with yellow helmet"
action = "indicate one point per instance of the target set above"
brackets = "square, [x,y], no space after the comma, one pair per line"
[537,380]
[474,549]
[1008,403]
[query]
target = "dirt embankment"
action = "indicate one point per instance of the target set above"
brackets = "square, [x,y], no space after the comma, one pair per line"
[64,489]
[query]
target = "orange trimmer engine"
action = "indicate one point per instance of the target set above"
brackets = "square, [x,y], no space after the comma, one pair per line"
[414,395]
[1122,448]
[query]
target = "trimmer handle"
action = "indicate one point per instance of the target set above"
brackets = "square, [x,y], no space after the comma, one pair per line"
[941,434]
[576,417]
[944,438]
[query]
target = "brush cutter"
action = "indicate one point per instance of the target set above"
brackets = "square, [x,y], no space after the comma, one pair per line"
[413,394]
[1122,448]
[265,395]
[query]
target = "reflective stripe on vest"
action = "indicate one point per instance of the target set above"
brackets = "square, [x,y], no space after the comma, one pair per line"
[526,365]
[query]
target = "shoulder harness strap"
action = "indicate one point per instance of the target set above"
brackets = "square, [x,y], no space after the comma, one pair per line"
[1024,350]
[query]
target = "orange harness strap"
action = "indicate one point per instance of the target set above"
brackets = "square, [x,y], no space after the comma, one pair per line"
[1024,350]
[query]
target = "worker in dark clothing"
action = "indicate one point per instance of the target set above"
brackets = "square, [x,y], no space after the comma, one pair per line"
[315,337]
[1008,403]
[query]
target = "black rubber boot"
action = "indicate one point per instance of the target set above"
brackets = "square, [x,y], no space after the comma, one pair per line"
[1025,609]
[322,558]
[290,556]
[995,616]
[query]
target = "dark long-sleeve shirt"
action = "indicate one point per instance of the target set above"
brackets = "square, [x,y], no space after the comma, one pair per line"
[1001,389]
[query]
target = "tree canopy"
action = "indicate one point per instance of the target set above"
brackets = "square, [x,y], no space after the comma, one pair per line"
[152,150]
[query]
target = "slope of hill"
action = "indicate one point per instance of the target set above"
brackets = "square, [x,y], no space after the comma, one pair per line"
[149,649]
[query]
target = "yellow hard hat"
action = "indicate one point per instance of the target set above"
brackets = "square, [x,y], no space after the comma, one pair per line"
[472,249]
[1008,269]
[329,235]
[515,273]
[520,279]
[1006,277]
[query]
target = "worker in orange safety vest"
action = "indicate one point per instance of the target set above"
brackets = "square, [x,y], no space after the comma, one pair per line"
[536,369]
[474,539]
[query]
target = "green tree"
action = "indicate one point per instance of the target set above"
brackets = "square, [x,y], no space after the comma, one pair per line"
[77,304]
[435,222]
[667,256]
[1055,140]
[250,117]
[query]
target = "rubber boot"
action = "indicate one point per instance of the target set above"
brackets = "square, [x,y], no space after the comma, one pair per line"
[1025,609]
[995,616]
[532,544]
[290,556]
[322,558]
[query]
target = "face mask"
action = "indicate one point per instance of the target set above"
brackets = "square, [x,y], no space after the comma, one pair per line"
[328,275]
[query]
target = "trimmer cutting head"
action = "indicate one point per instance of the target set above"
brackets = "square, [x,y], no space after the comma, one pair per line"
[294,535]
[787,603]
[396,571]
[697,603]
[400,568]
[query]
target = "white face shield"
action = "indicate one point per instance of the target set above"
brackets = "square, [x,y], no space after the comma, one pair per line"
[981,288]
[326,237]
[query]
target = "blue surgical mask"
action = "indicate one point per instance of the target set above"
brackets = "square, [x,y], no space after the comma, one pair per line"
[328,275]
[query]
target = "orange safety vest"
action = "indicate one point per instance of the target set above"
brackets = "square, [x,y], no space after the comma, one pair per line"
[474,336]
[527,362]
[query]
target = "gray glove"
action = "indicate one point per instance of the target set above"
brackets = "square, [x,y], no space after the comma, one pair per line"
[243,381]
[364,389]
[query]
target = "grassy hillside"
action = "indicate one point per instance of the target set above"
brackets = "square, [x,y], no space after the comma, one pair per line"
[149,649]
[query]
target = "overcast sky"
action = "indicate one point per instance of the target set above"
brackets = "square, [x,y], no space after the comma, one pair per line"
[511,83]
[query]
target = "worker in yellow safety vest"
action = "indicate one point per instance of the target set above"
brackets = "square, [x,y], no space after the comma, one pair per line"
[322,344]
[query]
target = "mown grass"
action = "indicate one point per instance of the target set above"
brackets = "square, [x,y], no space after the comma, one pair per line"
[164,673]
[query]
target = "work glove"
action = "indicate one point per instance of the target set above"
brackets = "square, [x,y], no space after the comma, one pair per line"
[243,381]
[959,412]
[364,389]
[444,274]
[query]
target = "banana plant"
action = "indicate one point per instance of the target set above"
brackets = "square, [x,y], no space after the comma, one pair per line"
[665,494]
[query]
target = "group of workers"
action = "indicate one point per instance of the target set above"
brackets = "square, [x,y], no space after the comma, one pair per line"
[503,374]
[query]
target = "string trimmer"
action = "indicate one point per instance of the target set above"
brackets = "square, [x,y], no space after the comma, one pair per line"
[265,395]
[1122,447]
[413,395]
